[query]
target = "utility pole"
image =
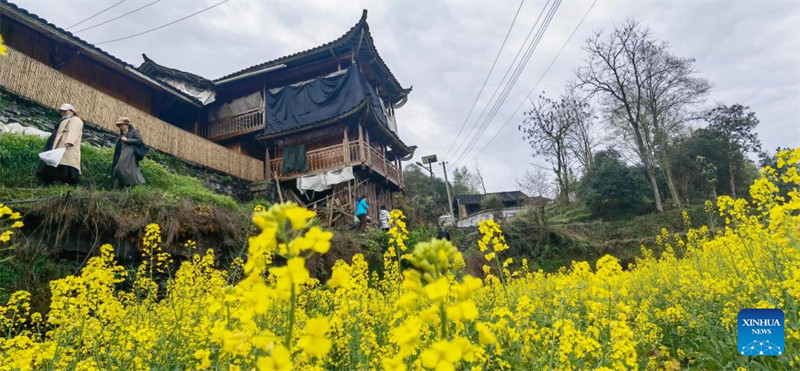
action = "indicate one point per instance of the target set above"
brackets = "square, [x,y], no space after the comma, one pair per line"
[447,186]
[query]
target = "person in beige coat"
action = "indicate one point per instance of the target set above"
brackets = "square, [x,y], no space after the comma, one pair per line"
[67,134]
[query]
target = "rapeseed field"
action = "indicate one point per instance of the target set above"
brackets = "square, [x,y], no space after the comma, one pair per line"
[673,311]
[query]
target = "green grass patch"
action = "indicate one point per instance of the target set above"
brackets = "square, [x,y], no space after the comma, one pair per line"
[19,159]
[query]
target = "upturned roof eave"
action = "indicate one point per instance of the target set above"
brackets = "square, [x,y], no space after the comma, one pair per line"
[351,36]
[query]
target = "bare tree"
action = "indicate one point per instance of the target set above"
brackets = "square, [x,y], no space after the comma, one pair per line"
[480,177]
[547,129]
[643,88]
[582,138]
[535,183]
[671,90]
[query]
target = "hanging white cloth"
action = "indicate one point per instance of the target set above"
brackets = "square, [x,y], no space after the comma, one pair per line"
[324,181]
[339,176]
[314,182]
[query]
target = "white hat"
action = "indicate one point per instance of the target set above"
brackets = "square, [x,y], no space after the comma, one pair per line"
[67,107]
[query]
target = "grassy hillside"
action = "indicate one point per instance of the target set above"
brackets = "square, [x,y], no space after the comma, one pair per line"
[64,224]
[19,158]
[569,234]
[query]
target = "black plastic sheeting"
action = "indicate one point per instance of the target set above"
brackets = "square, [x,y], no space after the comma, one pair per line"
[322,99]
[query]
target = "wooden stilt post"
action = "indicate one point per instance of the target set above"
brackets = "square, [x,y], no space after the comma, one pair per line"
[346,148]
[267,165]
[278,184]
[363,157]
[369,152]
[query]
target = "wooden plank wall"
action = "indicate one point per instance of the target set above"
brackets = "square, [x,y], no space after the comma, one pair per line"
[67,59]
[33,79]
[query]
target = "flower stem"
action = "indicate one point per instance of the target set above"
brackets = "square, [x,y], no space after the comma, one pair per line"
[292,307]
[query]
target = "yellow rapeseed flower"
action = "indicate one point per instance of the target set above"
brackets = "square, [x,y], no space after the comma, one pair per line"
[395,363]
[437,291]
[202,356]
[314,340]
[280,360]
[441,356]
[298,216]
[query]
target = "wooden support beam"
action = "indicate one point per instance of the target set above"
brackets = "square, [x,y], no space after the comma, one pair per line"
[346,147]
[363,156]
[369,152]
[267,166]
[278,184]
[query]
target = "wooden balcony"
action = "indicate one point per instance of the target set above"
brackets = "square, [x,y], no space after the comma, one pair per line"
[240,124]
[341,155]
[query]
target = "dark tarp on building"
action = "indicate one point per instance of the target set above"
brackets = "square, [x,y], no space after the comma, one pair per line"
[319,100]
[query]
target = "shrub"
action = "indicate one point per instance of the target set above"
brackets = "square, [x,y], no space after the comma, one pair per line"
[611,189]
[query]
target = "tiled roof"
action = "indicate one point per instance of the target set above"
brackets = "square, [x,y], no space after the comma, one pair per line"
[351,36]
[155,70]
[512,196]
[77,40]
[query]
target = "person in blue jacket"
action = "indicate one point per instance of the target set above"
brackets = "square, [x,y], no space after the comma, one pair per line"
[361,213]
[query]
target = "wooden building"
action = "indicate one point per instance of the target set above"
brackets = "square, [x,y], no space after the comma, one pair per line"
[329,110]
[51,66]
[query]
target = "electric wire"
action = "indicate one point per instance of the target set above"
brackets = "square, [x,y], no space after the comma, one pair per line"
[511,83]
[482,121]
[491,69]
[503,79]
[115,18]
[96,14]
[164,25]
[528,96]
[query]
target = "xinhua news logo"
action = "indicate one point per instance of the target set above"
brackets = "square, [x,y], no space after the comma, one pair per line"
[760,332]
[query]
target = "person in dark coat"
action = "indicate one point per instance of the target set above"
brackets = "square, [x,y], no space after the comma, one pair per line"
[66,134]
[442,233]
[125,168]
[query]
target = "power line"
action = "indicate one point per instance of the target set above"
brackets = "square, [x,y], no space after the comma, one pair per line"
[488,121]
[486,79]
[164,25]
[114,19]
[96,14]
[505,75]
[510,85]
[528,96]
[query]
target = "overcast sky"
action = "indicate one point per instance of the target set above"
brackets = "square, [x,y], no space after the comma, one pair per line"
[750,50]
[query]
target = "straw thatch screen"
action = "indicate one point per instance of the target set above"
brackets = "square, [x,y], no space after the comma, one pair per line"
[35,80]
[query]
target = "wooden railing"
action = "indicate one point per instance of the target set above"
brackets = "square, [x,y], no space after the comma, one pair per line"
[341,155]
[243,123]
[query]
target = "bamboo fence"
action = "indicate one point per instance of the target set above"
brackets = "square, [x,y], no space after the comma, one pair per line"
[35,80]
